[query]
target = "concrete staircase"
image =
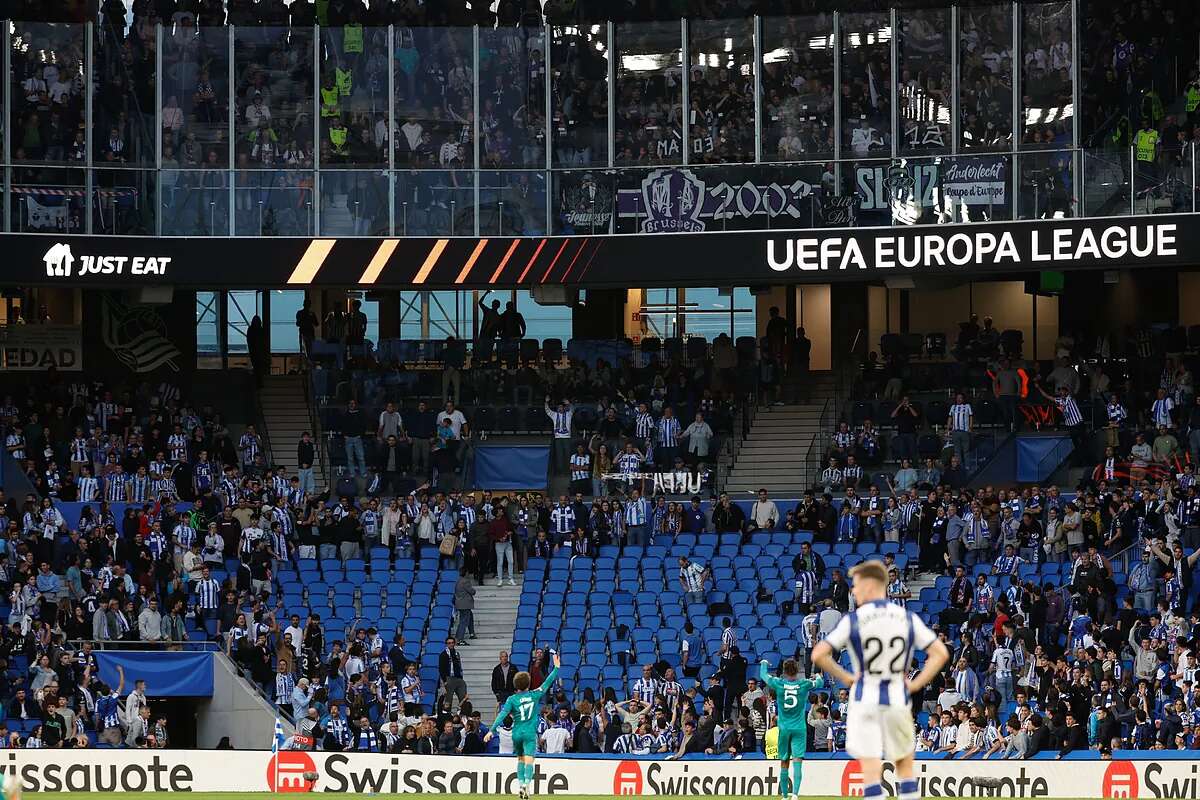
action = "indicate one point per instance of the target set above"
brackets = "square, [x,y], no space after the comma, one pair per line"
[284,401]
[773,456]
[495,619]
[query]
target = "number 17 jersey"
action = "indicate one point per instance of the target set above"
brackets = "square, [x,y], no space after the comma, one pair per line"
[881,638]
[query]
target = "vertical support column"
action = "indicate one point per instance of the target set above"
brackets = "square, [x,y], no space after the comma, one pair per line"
[1018,123]
[685,121]
[317,124]
[158,137]
[6,59]
[1076,99]
[837,102]
[392,127]
[955,107]
[549,114]
[89,99]
[758,93]
[232,112]
[612,93]
[475,125]
[894,88]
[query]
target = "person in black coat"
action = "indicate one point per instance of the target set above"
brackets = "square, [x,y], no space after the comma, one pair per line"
[581,740]
[502,679]
[1039,737]
[1075,737]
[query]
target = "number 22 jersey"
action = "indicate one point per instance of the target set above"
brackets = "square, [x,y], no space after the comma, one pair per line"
[881,638]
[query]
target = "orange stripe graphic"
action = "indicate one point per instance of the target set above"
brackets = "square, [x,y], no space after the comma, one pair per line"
[310,263]
[430,260]
[379,261]
[466,270]
[529,266]
[571,266]
[550,268]
[504,261]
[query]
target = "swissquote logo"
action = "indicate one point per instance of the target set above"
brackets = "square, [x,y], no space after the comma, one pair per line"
[628,778]
[60,263]
[852,780]
[286,771]
[1120,780]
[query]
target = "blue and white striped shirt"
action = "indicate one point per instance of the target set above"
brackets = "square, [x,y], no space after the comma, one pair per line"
[1069,410]
[668,432]
[960,417]
[636,512]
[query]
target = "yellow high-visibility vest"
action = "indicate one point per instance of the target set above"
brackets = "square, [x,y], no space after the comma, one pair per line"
[329,101]
[1146,140]
[352,38]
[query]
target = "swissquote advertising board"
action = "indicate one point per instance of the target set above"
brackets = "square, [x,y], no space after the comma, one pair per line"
[292,771]
[817,255]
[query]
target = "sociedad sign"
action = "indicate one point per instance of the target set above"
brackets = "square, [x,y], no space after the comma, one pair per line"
[36,348]
[296,771]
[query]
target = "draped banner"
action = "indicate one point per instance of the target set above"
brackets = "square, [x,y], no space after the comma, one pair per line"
[167,674]
[499,467]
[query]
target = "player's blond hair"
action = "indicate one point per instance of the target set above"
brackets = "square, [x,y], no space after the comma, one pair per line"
[521,681]
[870,570]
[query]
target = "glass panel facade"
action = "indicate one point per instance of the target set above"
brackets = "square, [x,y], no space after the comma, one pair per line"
[273,98]
[375,131]
[924,84]
[196,96]
[579,66]
[985,77]
[1047,107]
[512,97]
[797,88]
[866,84]
[435,97]
[649,113]
[353,99]
[721,91]
[46,93]
[284,304]
[276,202]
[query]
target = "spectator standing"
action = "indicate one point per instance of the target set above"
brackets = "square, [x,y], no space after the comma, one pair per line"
[502,679]
[450,671]
[560,418]
[353,427]
[959,423]
[464,604]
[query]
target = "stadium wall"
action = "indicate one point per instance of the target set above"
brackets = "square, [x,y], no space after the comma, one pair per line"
[1085,776]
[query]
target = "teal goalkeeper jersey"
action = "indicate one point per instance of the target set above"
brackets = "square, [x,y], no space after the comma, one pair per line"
[525,707]
[791,698]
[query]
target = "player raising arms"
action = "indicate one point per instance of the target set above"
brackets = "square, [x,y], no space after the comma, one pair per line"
[882,637]
[524,706]
[791,700]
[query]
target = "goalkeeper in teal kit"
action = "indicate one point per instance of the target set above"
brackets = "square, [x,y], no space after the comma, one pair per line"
[791,709]
[524,707]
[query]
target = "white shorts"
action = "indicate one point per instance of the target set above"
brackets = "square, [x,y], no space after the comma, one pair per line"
[874,731]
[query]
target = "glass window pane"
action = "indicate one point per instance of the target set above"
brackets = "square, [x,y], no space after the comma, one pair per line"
[798,88]
[721,63]
[435,203]
[649,93]
[543,322]
[123,93]
[579,63]
[194,202]
[659,314]
[47,200]
[410,315]
[985,77]
[923,49]
[241,307]
[354,97]
[745,321]
[195,93]
[273,203]
[208,328]
[285,338]
[354,203]
[512,86]
[1047,106]
[866,82]
[512,203]
[47,92]
[434,97]
[273,97]
[450,314]
[124,201]
[706,313]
